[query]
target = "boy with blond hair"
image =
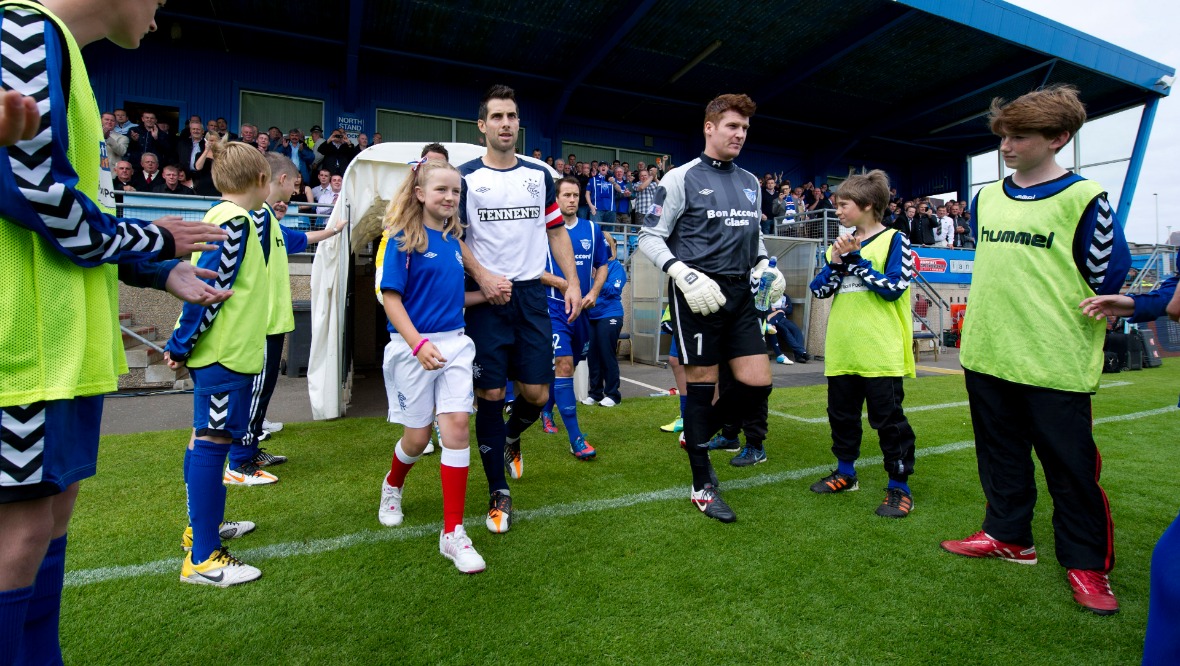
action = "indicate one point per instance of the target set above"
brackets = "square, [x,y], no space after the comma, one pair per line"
[1045,240]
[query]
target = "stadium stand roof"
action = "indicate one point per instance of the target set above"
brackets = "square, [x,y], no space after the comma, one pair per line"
[869,74]
[834,79]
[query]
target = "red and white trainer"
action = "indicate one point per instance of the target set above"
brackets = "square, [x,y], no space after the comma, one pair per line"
[981,544]
[1091,589]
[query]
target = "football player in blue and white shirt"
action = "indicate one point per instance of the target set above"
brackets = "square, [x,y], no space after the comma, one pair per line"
[571,340]
[428,359]
[509,207]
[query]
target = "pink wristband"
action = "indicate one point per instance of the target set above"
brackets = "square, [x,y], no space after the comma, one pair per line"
[418,347]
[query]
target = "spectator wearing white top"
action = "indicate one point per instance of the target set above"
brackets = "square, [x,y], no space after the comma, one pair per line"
[944,233]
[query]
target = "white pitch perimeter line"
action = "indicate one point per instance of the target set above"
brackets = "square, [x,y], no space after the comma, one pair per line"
[292,549]
[908,410]
[646,386]
[1114,384]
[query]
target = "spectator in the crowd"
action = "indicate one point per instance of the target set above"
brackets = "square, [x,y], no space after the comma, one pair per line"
[769,196]
[183,178]
[623,195]
[223,130]
[195,156]
[248,134]
[116,143]
[275,135]
[824,200]
[377,138]
[922,229]
[124,175]
[263,143]
[325,178]
[559,167]
[961,218]
[328,197]
[123,125]
[644,196]
[583,177]
[302,195]
[294,148]
[149,173]
[809,195]
[891,215]
[909,224]
[944,230]
[211,129]
[536,153]
[338,151]
[152,139]
[362,142]
[784,334]
[600,195]
[317,140]
[169,183]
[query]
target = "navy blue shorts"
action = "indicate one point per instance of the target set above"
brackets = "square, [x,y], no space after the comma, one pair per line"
[46,446]
[514,340]
[221,402]
[569,339]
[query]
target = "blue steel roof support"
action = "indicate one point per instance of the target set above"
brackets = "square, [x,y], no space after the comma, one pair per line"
[1137,155]
[624,20]
[1037,33]
[352,62]
[789,81]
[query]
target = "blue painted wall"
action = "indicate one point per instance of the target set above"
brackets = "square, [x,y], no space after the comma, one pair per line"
[209,83]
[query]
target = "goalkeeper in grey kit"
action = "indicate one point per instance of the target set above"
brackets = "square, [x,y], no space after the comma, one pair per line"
[702,230]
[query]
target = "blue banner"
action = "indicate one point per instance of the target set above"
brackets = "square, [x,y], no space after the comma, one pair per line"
[940,265]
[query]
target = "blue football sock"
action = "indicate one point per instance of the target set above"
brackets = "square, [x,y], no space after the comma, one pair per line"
[490,432]
[900,484]
[41,643]
[240,454]
[206,497]
[846,467]
[510,392]
[548,409]
[14,608]
[683,400]
[567,402]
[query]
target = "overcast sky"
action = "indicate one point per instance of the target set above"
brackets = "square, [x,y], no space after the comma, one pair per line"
[1148,28]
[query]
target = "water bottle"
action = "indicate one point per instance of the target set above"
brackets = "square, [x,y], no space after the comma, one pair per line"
[765,285]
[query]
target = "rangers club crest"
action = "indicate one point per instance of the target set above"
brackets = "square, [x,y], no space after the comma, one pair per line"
[752,195]
[533,186]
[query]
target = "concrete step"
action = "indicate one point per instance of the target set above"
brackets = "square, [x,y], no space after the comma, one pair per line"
[149,332]
[141,356]
[125,319]
[158,373]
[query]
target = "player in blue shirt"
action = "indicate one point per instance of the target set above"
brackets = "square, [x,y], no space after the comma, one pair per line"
[428,361]
[606,322]
[571,340]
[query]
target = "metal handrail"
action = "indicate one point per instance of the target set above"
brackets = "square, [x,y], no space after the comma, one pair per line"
[127,331]
[939,302]
[1159,255]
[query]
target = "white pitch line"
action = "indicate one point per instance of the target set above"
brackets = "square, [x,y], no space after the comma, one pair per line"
[908,410]
[1136,415]
[1114,384]
[294,548]
[646,386]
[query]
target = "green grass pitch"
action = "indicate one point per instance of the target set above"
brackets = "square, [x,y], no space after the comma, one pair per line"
[608,562]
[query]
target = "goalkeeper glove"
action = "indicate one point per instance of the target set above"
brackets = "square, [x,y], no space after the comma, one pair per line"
[701,293]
